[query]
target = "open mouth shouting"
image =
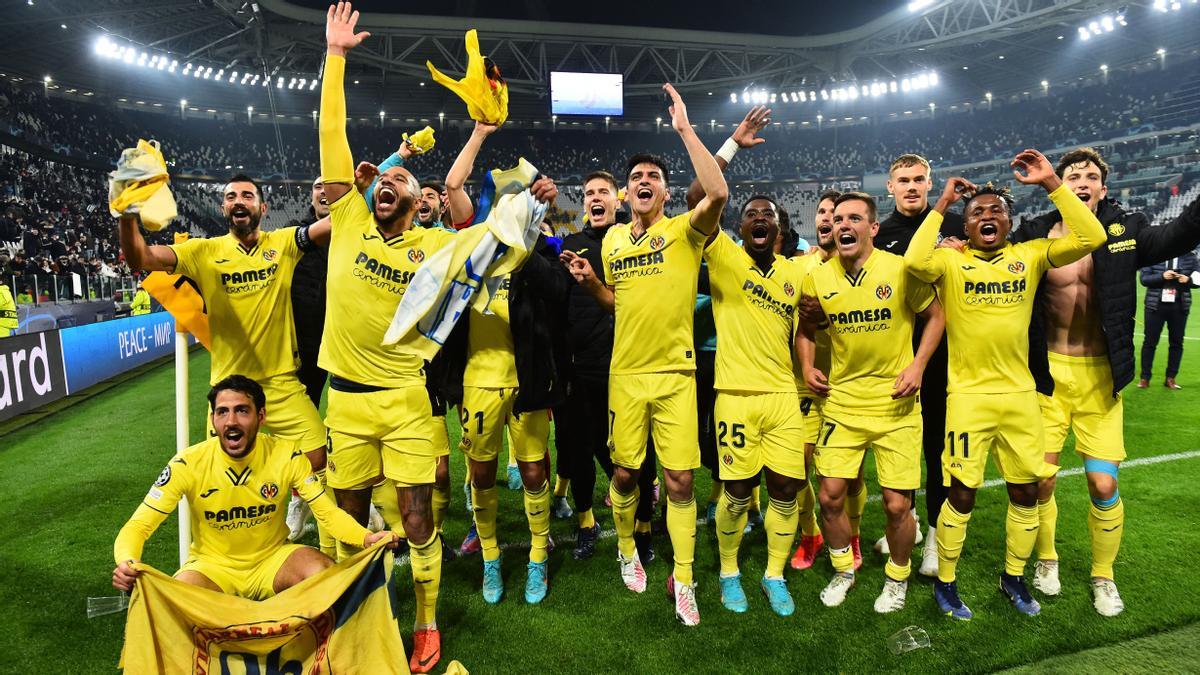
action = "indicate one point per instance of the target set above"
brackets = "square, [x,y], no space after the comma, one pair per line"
[846,239]
[234,438]
[240,215]
[759,233]
[424,211]
[989,233]
[644,195]
[387,195]
[596,211]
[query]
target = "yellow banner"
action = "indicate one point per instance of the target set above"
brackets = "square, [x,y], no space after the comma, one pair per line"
[338,621]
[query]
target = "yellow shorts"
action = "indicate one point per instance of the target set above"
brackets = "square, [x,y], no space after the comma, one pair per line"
[441,437]
[811,406]
[380,433]
[662,404]
[255,583]
[756,430]
[1083,402]
[485,412]
[896,442]
[1010,424]
[291,414]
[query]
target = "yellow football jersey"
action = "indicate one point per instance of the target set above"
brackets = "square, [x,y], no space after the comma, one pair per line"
[654,279]
[806,264]
[988,296]
[247,293]
[871,316]
[755,315]
[238,506]
[491,360]
[367,277]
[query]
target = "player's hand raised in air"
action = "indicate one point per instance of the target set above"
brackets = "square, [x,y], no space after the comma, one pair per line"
[364,174]
[908,382]
[957,188]
[679,118]
[755,121]
[340,22]
[125,575]
[1037,170]
[544,190]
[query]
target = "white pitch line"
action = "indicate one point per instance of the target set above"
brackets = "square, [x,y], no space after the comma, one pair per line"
[995,482]
[1185,337]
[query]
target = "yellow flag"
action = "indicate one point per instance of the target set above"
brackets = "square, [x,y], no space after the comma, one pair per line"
[338,621]
[482,88]
[180,296]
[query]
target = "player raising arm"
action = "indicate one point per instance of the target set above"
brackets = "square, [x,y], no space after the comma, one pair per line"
[988,292]
[651,271]
[237,484]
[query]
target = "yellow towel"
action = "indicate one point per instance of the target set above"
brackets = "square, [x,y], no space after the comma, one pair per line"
[482,88]
[421,141]
[141,181]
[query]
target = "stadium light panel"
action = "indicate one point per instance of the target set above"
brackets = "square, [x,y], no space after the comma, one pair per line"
[312,86]
[918,5]
[905,85]
[1084,34]
[1106,23]
[824,95]
[732,98]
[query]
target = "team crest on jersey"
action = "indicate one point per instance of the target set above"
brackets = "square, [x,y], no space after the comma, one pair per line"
[270,255]
[1016,267]
[657,243]
[1116,229]
[416,255]
[883,291]
[164,477]
[789,289]
[269,490]
[727,459]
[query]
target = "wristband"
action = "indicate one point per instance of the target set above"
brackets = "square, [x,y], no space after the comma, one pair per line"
[728,150]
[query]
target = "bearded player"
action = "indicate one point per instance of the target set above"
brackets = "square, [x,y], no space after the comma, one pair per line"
[869,306]
[988,292]
[651,271]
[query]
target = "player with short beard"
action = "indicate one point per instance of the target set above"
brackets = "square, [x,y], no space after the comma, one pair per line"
[1081,348]
[988,292]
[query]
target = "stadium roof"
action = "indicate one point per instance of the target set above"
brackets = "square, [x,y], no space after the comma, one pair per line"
[971,47]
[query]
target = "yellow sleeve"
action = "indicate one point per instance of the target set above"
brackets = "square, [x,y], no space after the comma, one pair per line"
[159,502]
[337,164]
[717,252]
[332,519]
[809,285]
[918,294]
[922,258]
[693,236]
[188,254]
[1084,233]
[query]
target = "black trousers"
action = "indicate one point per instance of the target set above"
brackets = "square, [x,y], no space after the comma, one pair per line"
[581,437]
[1175,317]
[933,419]
[706,399]
[312,377]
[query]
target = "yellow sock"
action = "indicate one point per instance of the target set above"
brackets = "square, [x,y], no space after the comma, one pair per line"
[714,495]
[587,519]
[1021,529]
[486,503]
[951,534]
[681,526]
[855,505]
[325,541]
[731,523]
[386,499]
[641,526]
[1047,524]
[623,509]
[755,505]
[441,504]
[1106,526]
[561,485]
[537,510]
[897,572]
[807,511]
[842,559]
[780,523]
[426,562]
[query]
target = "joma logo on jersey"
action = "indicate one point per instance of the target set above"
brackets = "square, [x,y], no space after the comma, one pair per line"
[657,243]
[789,289]
[239,512]
[269,490]
[270,255]
[416,255]
[1017,267]
[993,287]
[883,291]
[644,260]
[235,278]
[383,270]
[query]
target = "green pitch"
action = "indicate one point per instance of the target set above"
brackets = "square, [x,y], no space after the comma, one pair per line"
[69,481]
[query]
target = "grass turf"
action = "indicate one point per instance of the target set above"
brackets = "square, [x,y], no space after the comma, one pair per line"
[70,480]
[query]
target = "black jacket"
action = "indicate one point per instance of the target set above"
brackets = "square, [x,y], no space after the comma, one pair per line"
[1152,278]
[589,327]
[1132,244]
[537,300]
[308,296]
